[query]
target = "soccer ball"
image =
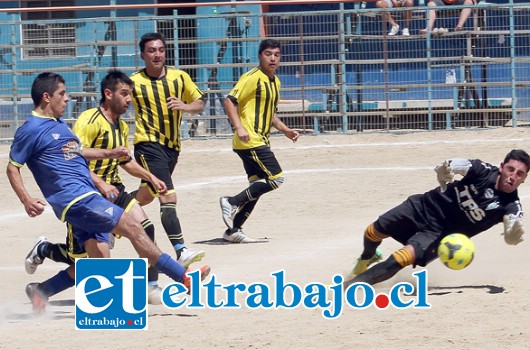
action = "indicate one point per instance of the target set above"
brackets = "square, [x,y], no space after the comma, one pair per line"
[456,251]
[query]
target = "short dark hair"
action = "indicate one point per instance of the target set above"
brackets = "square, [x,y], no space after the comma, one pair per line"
[519,155]
[111,81]
[268,44]
[44,82]
[150,37]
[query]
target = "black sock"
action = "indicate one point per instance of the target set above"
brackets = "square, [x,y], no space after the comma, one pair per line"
[369,248]
[253,192]
[171,223]
[243,214]
[54,251]
[152,271]
[379,272]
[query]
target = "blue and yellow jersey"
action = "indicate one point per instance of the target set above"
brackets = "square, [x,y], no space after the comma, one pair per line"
[53,154]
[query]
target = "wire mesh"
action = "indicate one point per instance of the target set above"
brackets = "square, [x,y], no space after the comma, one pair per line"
[342,70]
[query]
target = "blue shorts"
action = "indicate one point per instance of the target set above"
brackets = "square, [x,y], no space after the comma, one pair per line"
[93,217]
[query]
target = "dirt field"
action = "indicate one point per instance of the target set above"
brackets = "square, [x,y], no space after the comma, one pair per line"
[335,186]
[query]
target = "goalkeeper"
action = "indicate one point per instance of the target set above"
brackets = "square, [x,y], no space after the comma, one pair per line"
[485,195]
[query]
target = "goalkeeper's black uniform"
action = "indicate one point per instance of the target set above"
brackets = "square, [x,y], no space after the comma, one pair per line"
[470,206]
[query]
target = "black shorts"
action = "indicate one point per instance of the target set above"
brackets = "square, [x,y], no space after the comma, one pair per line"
[260,163]
[407,225]
[75,250]
[159,160]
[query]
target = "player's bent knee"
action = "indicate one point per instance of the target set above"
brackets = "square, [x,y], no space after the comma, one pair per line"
[128,226]
[143,196]
[277,182]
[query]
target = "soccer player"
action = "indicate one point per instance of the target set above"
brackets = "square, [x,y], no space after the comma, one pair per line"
[161,95]
[251,107]
[53,154]
[102,129]
[485,195]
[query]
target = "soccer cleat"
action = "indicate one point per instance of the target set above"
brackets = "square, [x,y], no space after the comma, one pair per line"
[405,32]
[186,281]
[228,211]
[394,30]
[154,295]
[37,298]
[187,257]
[33,259]
[362,265]
[237,237]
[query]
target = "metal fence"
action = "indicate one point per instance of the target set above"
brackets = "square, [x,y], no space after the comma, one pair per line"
[341,70]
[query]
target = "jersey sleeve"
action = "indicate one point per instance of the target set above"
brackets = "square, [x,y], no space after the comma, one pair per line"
[460,165]
[515,210]
[239,92]
[22,146]
[192,92]
[86,133]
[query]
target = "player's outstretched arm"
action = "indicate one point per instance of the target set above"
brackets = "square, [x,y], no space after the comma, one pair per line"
[235,120]
[513,229]
[33,206]
[445,171]
[107,190]
[100,153]
[444,175]
[134,169]
[287,131]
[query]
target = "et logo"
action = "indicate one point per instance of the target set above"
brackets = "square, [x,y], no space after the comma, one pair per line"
[111,294]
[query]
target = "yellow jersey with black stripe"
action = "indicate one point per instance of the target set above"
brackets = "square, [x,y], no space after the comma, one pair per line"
[95,131]
[154,121]
[256,96]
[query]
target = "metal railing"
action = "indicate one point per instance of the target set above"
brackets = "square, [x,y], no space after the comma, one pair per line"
[340,72]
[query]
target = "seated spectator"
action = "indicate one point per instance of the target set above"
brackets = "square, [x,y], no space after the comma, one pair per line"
[388,17]
[464,14]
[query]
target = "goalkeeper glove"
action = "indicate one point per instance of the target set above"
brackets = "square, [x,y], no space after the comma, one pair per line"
[444,175]
[513,229]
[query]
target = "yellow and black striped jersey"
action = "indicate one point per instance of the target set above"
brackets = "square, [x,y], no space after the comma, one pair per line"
[256,96]
[154,121]
[95,131]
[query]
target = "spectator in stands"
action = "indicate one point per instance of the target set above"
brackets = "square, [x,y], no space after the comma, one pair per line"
[387,17]
[464,14]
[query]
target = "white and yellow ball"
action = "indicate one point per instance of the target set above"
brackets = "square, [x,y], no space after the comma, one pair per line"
[456,251]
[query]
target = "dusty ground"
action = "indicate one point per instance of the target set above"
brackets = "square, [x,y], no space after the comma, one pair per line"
[335,186]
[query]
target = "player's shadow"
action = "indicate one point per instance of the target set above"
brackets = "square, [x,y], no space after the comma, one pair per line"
[220,241]
[50,315]
[66,302]
[441,290]
[171,315]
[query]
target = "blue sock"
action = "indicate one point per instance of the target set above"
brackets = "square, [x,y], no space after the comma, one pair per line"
[56,284]
[179,246]
[170,267]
